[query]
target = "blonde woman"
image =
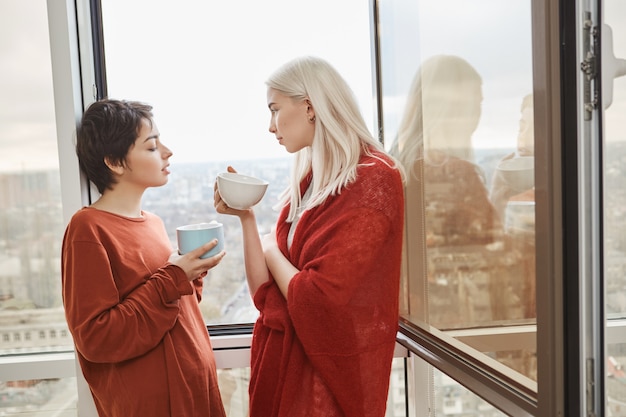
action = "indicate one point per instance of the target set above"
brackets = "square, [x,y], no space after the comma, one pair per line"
[326,279]
[434,144]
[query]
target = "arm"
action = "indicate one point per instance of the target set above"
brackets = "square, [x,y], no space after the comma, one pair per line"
[102,319]
[256,269]
[281,268]
[117,285]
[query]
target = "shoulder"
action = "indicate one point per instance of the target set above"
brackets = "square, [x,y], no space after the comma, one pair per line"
[379,168]
[378,185]
[467,170]
[84,224]
[85,215]
[450,166]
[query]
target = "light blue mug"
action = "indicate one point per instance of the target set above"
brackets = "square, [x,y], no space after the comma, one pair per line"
[192,236]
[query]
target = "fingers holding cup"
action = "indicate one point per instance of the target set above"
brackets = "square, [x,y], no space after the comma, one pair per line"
[199,237]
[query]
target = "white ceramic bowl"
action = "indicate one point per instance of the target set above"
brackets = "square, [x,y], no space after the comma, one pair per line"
[240,191]
[520,217]
[518,172]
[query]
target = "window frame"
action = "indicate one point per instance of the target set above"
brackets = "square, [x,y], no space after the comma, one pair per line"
[446,351]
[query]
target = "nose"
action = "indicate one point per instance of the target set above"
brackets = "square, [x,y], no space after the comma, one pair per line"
[272,128]
[166,152]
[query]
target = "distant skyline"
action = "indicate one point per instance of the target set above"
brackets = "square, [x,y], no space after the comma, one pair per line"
[205,74]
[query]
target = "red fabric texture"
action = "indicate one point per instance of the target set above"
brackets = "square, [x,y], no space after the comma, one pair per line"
[458,211]
[140,338]
[328,351]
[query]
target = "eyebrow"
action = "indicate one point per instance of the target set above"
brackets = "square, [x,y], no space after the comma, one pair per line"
[151,137]
[269,105]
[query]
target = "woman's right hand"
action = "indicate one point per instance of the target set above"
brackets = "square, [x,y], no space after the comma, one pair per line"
[194,266]
[220,205]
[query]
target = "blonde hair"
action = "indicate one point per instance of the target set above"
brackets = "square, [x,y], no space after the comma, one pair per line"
[436,98]
[341,135]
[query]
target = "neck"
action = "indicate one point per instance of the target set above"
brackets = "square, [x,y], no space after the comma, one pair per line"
[121,202]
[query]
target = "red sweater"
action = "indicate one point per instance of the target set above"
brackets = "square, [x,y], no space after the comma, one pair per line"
[140,338]
[328,350]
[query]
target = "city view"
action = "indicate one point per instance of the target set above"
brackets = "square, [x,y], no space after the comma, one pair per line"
[31,231]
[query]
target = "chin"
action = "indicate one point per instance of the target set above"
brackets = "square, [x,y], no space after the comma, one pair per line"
[294,150]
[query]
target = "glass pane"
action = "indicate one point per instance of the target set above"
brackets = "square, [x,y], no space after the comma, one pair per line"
[616,378]
[205,76]
[40,398]
[31,219]
[397,401]
[460,119]
[234,390]
[453,399]
[614,96]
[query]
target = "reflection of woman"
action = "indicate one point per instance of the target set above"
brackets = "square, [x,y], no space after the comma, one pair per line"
[434,145]
[326,281]
[446,189]
[521,221]
[501,191]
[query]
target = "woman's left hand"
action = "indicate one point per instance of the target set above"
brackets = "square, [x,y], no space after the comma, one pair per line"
[279,266]
[268,241]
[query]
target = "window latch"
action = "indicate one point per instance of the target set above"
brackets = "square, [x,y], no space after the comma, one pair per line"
[589,66]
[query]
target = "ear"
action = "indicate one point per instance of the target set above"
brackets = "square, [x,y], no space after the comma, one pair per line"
[310,111]
[116,168]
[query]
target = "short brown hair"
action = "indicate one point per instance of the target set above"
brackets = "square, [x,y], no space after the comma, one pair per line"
[108,129]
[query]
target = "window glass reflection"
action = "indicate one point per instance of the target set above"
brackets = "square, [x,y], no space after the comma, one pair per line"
[460,119]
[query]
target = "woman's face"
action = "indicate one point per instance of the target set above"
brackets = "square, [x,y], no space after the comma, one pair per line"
[291,121]
[147,161]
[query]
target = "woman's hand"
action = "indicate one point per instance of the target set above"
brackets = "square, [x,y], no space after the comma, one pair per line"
[220,205]
[268,241]
[280,267]
[194,266]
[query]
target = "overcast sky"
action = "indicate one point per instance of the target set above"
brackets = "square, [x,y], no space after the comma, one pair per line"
[27,126]
[203,65]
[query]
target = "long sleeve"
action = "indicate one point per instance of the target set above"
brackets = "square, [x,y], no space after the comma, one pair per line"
[109,292]
[140,338]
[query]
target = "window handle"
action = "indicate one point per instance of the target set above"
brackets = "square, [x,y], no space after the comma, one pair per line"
[611,67]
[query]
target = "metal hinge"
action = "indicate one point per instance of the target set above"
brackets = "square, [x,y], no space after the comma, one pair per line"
[590,66]
[590,388]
